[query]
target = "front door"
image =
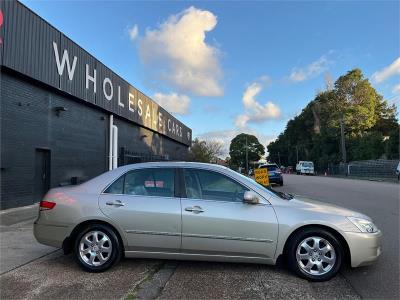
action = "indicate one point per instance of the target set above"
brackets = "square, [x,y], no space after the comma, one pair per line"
[215,221]
[143,203]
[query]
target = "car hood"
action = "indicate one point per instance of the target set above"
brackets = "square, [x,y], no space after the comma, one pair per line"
[321,207]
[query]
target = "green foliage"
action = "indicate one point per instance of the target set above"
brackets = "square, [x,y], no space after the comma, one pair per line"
[237,150]
[368,146]
[392,144]
[204,151]
[315,133]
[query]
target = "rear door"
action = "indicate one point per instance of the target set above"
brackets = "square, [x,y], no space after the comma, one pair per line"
[144,204]
[215,221]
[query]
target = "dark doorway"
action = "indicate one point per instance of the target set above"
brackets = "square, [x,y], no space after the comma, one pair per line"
[42,173]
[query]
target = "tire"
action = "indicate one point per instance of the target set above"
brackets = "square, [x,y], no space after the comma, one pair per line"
[317,265]
[281,183]
[97,254]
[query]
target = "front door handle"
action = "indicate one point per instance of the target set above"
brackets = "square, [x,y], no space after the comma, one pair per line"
[195,209]
[116,203]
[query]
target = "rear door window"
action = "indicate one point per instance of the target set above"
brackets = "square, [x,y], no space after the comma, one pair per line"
[145,182]
[150,182]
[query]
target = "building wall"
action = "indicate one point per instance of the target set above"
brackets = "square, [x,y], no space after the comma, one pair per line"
[77,138]
[31,46]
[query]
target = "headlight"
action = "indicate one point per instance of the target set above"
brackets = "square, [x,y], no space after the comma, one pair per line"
[363,224]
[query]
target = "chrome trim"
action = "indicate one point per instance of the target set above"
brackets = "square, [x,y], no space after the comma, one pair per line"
[222,237]
[152,232]
[219,237]
[226,201]
[141,196]
[185,167]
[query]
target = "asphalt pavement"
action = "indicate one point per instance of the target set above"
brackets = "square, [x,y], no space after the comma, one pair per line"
[380,201]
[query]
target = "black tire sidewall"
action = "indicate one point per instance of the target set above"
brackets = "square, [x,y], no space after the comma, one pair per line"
[299,237]
[116,248]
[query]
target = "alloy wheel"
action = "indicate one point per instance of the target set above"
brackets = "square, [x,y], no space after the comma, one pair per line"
[95,248]
[315,256]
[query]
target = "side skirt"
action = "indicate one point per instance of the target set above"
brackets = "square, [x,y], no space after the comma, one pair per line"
[200,257]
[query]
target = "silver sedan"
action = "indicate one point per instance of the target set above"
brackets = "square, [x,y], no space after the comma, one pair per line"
[180,210]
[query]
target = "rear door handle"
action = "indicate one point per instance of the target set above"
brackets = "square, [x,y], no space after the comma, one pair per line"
[194,209]
[116,203]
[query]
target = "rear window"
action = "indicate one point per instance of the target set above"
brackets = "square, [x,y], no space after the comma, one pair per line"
[145,182]
[269,167]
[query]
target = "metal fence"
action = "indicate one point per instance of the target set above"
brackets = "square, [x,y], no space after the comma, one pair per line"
[127,157]
[380,168]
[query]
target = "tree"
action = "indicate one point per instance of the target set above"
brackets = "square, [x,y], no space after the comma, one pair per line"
[237,150]
[392,144]
[315,133]
[204,151]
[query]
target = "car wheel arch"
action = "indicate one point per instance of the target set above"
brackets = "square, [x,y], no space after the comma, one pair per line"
[68,243]
[334,232]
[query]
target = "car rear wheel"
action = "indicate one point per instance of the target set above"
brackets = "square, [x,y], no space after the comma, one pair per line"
[97,248]
[315,254]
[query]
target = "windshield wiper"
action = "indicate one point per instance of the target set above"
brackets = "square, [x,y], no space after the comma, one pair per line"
[282,195]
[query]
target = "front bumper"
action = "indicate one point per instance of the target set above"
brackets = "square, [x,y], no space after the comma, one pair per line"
[275,179]
[365,248]
[307,172]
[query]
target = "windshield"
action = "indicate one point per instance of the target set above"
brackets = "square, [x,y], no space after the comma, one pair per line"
[269,167]
[279,194]
[308,165]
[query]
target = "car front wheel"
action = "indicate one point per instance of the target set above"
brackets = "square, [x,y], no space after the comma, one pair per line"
[97,248]
[315,254]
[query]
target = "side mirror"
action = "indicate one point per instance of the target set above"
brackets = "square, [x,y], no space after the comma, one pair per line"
[250,197]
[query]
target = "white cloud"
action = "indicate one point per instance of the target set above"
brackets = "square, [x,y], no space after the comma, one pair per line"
[396,89]
[225,137]
[133,32]
[256,112]
[389,71]
[173,103]
[178,54]
[312,70]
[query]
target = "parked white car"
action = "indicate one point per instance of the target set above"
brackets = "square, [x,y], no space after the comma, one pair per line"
[305,167]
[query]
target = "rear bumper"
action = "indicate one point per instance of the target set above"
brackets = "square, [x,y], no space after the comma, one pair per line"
[51,235]
[307,172]
[365,248]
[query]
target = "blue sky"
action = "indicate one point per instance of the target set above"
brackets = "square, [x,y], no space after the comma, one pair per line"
[231,67]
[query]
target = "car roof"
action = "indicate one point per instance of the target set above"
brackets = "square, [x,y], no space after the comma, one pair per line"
[176,164]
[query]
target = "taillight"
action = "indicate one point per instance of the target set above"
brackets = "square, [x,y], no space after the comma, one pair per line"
[46,205]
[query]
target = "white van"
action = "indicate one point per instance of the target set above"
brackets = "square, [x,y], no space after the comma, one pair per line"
[305,167]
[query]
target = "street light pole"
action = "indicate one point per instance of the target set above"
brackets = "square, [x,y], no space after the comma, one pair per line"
[342,138]
[247,158]
[279,158]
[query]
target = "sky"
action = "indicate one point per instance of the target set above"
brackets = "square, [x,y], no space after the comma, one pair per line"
[227,67]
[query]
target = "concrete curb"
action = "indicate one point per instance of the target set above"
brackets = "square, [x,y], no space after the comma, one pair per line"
[19,214]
